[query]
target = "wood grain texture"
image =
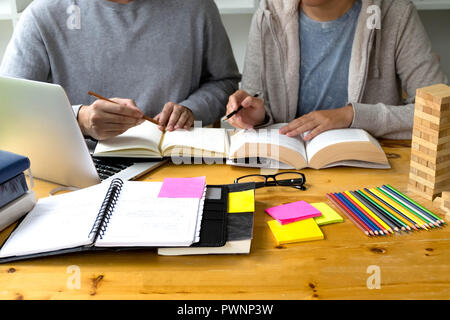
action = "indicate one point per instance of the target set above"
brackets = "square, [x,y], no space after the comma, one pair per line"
[413,266]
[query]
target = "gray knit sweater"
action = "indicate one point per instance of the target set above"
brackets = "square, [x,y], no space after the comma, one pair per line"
[152,51]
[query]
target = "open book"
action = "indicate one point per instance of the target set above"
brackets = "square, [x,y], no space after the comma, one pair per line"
[116,215]
[348,147]
[147,141]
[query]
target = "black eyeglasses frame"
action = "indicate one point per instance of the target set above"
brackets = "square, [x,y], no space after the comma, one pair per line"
[271,180]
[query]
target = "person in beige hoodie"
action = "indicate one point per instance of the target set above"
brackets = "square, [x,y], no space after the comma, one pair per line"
[391,54]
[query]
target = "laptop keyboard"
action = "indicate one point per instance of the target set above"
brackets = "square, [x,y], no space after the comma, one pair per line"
[108,168]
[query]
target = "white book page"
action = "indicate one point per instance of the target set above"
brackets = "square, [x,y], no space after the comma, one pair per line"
[140,218]
[207,139]
[145,136]
[269,136]
[58,222]
[331,137]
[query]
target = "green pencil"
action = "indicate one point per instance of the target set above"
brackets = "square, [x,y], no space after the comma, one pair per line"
[415,203]
[401,223]
[426,219]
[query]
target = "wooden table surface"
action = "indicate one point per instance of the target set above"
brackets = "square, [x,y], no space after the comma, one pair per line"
[411,266]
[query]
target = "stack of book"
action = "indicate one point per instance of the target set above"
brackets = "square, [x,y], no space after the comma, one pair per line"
[15,198]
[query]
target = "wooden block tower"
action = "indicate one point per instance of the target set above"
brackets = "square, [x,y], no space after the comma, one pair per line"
[430,150]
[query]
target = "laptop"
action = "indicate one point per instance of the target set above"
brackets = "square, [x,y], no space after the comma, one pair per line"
[37,121]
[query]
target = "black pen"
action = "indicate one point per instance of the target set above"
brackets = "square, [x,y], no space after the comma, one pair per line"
[238,109]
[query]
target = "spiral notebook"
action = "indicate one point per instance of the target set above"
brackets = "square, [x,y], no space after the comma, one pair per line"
[130,215]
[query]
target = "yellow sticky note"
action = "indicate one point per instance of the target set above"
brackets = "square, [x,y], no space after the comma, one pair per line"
[328,214]
[243,201]
[304,230]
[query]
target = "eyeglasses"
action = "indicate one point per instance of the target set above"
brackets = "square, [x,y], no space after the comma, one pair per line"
[284,179]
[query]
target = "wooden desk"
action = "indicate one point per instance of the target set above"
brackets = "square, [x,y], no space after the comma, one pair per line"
[413,266]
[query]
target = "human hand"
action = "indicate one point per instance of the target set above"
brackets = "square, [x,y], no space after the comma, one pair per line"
[317,122]
[174,117]
[252,114]
[105,119]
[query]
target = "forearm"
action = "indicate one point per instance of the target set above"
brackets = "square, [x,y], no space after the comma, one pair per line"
[209,101]
[380,120]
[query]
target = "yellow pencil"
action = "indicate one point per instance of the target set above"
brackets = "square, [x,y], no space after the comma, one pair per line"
[373,215]
[417,220]
[403,219]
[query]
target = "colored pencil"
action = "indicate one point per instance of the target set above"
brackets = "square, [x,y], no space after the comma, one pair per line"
[433,218]
[355,221]
[409,224]
[402,225]
[392,210]
[365,222]
[377,221]
[383,217]
[391,201]
[415,204]
[429,222]
[384,210]
[362,217]
[419,222]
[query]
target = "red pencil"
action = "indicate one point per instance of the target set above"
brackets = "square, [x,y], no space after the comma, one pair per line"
[349,215]
[365,213]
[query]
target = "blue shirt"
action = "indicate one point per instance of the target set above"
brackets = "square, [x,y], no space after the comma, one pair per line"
[326,49]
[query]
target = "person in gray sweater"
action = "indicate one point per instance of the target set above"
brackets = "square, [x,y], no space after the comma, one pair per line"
[171,60]
[327,64]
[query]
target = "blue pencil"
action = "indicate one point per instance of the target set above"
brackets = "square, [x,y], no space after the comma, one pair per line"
[360,215]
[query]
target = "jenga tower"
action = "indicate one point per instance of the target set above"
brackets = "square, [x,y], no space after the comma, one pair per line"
[430,154]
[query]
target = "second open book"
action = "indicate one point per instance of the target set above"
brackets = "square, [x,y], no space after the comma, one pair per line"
[258,148]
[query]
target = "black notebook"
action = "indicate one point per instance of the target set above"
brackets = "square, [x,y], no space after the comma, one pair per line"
[236,228]
[116,215]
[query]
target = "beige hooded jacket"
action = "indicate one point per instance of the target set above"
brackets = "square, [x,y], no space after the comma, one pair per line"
[392,55]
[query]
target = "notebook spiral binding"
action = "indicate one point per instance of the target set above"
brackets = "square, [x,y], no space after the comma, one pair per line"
[106,210]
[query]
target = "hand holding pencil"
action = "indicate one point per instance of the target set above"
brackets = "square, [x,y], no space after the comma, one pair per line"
[107,118]
[245,111]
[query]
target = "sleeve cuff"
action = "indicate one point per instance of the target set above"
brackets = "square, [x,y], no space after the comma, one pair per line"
[76,109]
[365,116]
[205,115]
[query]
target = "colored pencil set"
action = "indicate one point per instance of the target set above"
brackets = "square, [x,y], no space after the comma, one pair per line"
[384,210]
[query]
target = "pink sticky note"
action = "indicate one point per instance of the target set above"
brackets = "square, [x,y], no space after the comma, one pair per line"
[183,188]
[291,212]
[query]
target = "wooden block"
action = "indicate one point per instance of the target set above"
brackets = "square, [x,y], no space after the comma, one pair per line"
[446,196]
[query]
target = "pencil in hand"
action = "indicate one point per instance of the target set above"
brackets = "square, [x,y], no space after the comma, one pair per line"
[234,112]
[238,109]
[96,95]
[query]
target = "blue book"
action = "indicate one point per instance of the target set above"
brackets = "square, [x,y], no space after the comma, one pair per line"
[12,180]
[12,189]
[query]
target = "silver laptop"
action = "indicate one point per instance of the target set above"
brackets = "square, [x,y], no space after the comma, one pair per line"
[37,121]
